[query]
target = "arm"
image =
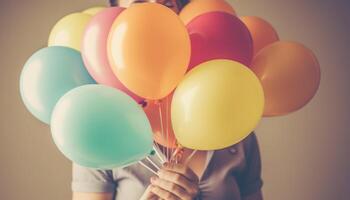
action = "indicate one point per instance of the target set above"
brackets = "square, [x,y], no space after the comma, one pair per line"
[92,184]
[92,196]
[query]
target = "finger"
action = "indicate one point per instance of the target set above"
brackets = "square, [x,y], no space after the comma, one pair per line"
[172,188]
[182,169]
[163,194]
[178,179]
[149,195]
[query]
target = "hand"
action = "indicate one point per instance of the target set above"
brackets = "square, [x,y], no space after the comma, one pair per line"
[175,182]
[148,195]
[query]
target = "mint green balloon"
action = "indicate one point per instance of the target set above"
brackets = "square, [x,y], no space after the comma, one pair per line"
[101,127]
[47,75]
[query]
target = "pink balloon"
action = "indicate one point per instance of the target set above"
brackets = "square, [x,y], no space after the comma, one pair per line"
[219,35]
[94,50]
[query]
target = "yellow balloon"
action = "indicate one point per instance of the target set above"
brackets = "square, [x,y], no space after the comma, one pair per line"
[69,31]
[217,104]
[94,10]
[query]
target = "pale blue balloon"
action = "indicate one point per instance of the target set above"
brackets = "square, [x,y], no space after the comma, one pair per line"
[48,75]
[101,127]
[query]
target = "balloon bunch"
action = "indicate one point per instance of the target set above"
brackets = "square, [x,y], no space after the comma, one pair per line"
[114,81]
[94,125]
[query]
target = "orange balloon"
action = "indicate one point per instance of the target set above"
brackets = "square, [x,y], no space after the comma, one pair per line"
[261,31]
[196,8]
[154,110]
[290,75]
[149,49]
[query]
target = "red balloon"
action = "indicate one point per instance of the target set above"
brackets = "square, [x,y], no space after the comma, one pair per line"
[219,35]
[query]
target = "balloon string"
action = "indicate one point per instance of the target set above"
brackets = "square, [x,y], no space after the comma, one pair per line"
[174,143]
[167,128]
[161,122]
[177,154]
[153,164]
[188,159]
[156,149]
[148,168]
[144,103]
[173,154]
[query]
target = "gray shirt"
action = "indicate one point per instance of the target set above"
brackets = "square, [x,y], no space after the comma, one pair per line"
[229,174]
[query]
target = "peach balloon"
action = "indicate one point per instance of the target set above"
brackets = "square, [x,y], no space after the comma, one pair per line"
[261,31]
[155,109]
[196,8]
[149,50]
[290,75]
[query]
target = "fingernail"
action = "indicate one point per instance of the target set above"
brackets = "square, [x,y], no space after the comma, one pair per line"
[166,164]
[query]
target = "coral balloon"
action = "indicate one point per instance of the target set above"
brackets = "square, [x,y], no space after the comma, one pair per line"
[218,35]
[69,31]
[290,75]
[149,49]
[154,110]
[94,50]
[261,31]
[196,8]
[217,104]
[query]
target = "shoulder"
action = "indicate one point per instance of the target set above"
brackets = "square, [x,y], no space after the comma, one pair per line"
[237,156]
[92,180]
[244,145]
[241,158]
[250,142]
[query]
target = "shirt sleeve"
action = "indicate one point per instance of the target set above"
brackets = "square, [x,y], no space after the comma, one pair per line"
[249,180]
[92,180]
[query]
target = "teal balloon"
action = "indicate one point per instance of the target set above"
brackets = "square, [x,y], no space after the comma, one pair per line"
[101,127]
[48,75]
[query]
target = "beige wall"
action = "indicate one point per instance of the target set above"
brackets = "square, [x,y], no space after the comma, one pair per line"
[305,154]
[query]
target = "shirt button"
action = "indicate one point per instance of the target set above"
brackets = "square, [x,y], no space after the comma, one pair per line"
[233,150]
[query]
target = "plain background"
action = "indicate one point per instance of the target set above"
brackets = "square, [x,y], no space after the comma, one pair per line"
[305,154]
